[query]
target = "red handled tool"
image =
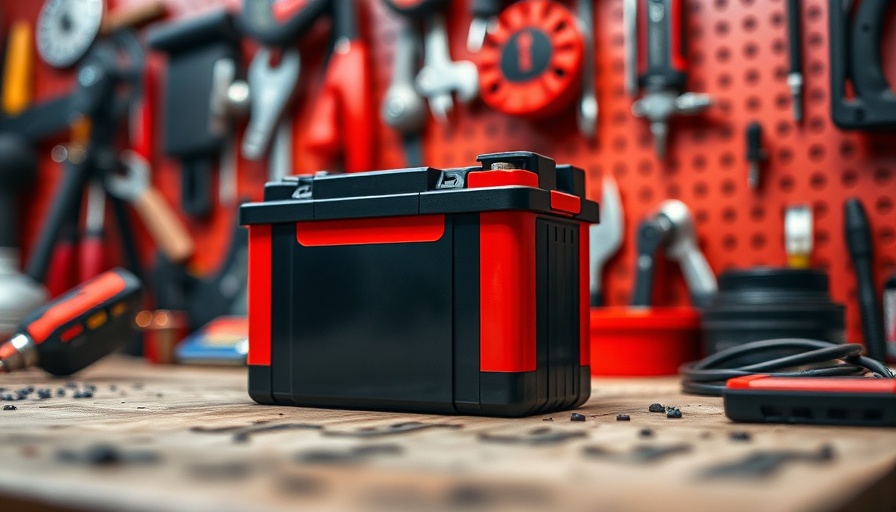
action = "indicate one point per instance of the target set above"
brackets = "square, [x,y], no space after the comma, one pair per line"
[531,63]
[77,329]
[344,115]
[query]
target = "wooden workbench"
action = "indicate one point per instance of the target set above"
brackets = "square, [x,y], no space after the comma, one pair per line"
[161,424]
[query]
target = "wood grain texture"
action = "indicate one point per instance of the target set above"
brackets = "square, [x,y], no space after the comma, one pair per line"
[143,409]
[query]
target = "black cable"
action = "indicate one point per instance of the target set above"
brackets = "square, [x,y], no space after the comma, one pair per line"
[806,358]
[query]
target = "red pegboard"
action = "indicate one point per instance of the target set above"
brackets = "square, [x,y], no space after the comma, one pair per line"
[738,53]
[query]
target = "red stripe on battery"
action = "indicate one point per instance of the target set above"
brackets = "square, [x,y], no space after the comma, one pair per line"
[584,297]
[507,292]
[565,203]
[517,177]
[259,295]
[380,230]
[808,384]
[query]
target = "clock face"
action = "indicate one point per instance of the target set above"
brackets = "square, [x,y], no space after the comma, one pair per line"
[66,29]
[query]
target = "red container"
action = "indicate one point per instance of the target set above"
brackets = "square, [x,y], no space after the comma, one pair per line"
[643,341]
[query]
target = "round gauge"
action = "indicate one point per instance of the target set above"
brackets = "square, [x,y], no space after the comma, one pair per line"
[66,29]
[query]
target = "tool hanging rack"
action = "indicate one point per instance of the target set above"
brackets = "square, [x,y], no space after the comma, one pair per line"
[737,51]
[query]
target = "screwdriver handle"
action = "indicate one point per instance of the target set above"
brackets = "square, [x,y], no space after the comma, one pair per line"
[83,325]
[793,35]
[857,232]
[664,61]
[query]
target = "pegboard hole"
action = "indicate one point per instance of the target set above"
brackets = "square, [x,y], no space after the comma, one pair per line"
[817,124]
[726,160]
[816,40]
[749,23]
[819,209]
[699,163]
[673,191]
[753,104]
[783,128]
[723,81]
[780,73]
[723,54]
[822,238]
[729,215]
[721,28]
[782,102]
[816,68]
[786,184]
[700,190]
[818,96]
[619,170]
[644,167]
[777,19]
[849,178]
[725,133]
[883,175]
[757,241]
[728,188]
[619,143]
[751,77]
[619,117]
[778,46]
[720,5]
[645,195]
[751,50]
[757,213]
[702,216]
[847,149]
[883,206]
[886,235]
[816,152]
[729,243]
[814,13]
[818,181]
[785,155]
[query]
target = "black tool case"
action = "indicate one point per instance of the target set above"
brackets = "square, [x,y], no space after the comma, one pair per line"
[423,290]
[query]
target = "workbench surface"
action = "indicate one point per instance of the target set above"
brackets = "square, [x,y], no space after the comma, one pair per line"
[181,438]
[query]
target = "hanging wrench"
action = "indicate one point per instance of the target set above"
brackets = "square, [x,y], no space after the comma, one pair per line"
[403,109]
[440,76]
[159,218]
[586,114]
[270,90]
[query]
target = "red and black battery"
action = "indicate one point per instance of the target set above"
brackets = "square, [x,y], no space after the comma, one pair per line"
[423,290]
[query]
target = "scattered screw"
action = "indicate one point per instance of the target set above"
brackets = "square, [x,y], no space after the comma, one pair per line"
[646,432]
[159,395]
[141,407]
[60,392]
[740,435]
[8,397]
[91,387]
[43,394]
[673,413]
[576,417]
[8,407]
[656,408]
[623,417]
[547,419]
[113,387]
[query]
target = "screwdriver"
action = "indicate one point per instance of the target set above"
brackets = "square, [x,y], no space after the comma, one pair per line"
[795,76]
[858,240]
[755,153]
[88,322]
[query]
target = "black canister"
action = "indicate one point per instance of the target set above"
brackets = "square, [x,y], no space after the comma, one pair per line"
[766,303]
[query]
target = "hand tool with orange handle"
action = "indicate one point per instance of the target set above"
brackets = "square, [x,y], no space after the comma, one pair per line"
[78,328]
[343,118]
[163,224]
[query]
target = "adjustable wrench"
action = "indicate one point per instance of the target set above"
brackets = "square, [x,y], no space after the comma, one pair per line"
[403,109]
[159,218]
[270,90]
[440,76]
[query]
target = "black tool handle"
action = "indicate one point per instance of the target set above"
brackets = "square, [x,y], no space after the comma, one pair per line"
[754,142]
[651,236]
[196,186]
[664,43]
[62,208]
[865,65]
[485,8]
[18,168]
[794,37]
[857,232]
